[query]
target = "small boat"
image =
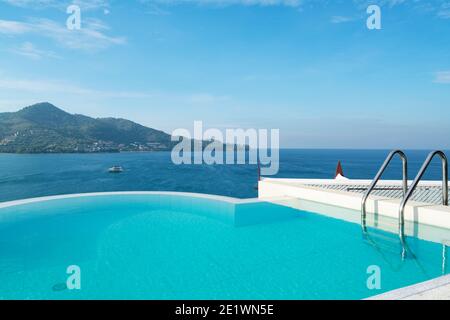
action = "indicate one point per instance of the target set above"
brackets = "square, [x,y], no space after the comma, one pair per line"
[115,169]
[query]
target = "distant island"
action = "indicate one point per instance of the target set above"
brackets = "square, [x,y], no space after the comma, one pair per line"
[44,128]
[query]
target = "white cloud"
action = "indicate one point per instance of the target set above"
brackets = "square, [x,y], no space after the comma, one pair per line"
[341,19]
[59,4]
[51,88]
[90,37]
[90,4]
[29,3]
[444,14]
[298,3]
[442,77]
[441,8]
[28,50]
[206,98]
[152,8]
[444,11]
[13,27]
[382,3]
[62,87]
[289,3]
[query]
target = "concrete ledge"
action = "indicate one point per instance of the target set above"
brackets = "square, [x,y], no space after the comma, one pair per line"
[99,194]
[416,212]
[436,289]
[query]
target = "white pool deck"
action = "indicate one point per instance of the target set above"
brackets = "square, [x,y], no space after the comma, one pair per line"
[436,289]
[424,208]
[425,217]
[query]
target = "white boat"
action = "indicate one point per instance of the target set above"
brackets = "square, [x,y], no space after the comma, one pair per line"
[115,169]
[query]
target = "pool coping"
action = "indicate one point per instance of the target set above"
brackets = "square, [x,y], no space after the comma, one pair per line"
[230,200]
[416,212]
[435,289]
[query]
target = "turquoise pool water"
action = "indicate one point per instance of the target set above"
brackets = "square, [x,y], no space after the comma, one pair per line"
[180,247]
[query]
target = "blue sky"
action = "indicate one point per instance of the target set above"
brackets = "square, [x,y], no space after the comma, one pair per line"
[310,68]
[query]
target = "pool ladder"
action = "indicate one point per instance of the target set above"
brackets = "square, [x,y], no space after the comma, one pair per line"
[377,178]
[413,187]
[407,192]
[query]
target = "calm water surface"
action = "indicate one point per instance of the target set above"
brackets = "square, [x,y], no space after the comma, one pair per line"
[172,247]
[26,176]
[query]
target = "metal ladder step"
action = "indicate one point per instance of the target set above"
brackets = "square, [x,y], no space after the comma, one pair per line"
[391,238]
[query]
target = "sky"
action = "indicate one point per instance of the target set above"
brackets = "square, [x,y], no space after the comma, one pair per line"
[310,68]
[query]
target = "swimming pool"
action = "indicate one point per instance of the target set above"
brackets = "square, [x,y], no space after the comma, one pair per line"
[181,246]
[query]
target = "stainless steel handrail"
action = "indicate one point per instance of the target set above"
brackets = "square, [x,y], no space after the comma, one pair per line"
[378,177]
[416,182]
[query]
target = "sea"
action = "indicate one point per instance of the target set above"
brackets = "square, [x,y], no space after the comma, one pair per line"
[28,176]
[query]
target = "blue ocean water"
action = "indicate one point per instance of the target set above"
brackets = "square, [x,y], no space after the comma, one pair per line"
[172,247]
[26,176]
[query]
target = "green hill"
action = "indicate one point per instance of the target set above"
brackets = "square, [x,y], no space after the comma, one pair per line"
[44,128]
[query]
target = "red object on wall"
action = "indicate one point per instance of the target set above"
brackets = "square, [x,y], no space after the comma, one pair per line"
[339,170]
